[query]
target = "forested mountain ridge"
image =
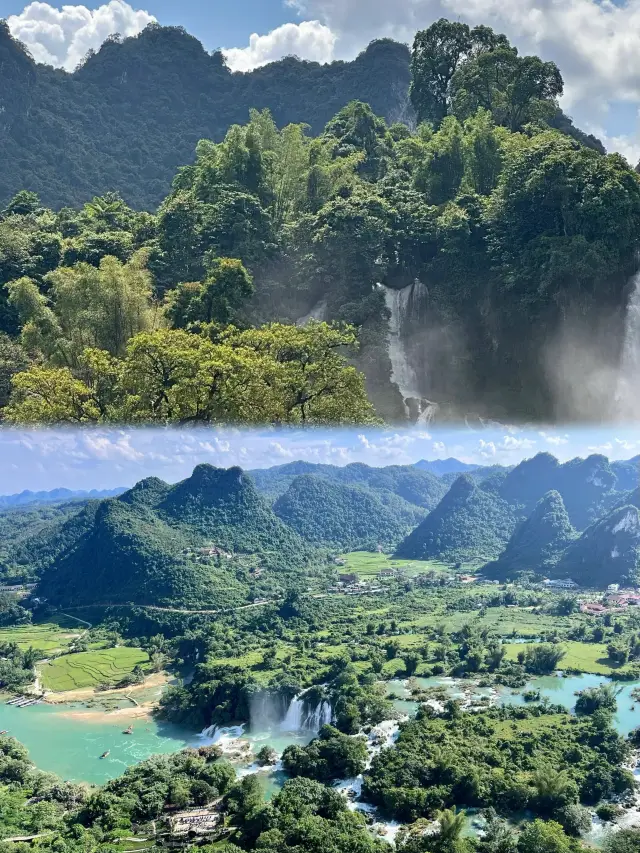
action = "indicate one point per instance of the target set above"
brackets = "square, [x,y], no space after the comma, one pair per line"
[347,517]
[133,112]
[210,540]
[538,542]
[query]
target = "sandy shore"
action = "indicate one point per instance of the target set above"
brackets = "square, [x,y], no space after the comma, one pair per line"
[124,715]
[141,699]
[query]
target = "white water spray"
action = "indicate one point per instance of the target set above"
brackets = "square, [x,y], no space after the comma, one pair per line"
[318,312]
[628,390]
[404,306]
[302,718]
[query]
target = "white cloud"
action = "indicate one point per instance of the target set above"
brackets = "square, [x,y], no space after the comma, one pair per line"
[510,443]
[596,43]
[487,449]
[278,449]
[439,447]
[110,447]
[62,37]
[309,40]
[555,440]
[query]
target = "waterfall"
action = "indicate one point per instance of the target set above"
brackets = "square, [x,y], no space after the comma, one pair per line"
[301,717]
[628,390]
[406,308]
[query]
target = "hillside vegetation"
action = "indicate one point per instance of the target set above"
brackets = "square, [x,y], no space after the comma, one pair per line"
[186,312]
[195,544]
[468,524]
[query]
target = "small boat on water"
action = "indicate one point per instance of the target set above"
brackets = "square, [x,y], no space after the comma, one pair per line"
[4,731]
[128,731]
[104,754]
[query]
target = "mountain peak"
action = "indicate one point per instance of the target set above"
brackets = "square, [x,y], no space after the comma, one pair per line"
[607,552]
[469,523]
[537,543]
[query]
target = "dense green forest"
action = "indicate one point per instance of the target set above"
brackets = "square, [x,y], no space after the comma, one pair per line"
[209,541]
[477,245]
[134,111]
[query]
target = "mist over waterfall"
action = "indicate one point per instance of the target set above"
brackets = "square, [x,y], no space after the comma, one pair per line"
[318,312]
[267,710]
[303,717]
[628,390]
[270,711]
[406,308]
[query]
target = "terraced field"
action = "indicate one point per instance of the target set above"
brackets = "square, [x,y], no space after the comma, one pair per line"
[47,637]
[88,669]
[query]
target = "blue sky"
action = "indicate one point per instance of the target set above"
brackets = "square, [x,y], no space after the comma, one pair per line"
[98,458]
[595,43]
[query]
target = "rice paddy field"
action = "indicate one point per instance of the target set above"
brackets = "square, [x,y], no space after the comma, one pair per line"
[88,669]
[46,637]
[368,564]
[583,657]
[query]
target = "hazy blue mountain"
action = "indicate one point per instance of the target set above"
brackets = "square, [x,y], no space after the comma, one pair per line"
[439,467]
[55,496]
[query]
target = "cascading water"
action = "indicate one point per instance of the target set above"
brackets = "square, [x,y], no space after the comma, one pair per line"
[405,308]
[301,717]
[628,390]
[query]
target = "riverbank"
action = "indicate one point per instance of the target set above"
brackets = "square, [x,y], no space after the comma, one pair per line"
[135,701]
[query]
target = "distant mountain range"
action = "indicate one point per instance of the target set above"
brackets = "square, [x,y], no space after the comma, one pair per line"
[221,537]
[56,496]
[440,467]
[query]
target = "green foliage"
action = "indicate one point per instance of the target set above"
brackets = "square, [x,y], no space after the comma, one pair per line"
[506,758]
[276,374]
[469,523]
[331,756]
[542,658]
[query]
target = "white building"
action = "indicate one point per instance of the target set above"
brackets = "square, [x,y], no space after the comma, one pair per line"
[564,584]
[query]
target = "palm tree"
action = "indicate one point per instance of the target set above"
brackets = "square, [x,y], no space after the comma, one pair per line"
[451,826]
[551,786]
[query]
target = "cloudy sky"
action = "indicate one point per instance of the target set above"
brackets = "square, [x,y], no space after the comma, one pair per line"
[596,43]
[101,459]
